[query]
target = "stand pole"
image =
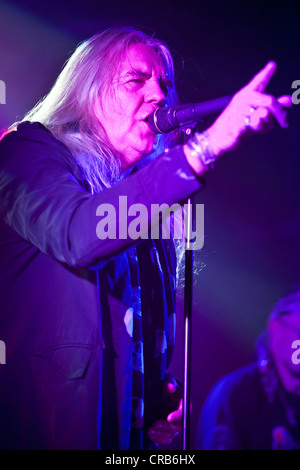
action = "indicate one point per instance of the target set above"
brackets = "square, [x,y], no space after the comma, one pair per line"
[188,291]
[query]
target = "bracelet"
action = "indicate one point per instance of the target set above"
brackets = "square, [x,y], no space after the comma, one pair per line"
[200,147]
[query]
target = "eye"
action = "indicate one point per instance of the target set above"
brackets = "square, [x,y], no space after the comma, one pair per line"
[165,85]
[137,80]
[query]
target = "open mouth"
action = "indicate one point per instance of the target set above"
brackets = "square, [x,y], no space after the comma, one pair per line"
[148,119]
[147,124]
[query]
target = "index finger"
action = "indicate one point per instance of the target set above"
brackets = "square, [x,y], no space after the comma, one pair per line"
[260,81]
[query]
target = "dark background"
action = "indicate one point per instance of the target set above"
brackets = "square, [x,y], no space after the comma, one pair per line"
[251,251]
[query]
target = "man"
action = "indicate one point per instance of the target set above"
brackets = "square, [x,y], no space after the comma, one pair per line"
[258,407]
[89,321]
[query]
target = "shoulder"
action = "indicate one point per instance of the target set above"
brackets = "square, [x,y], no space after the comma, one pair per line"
[32,142]
[31,132]
[241,382]
[228,409]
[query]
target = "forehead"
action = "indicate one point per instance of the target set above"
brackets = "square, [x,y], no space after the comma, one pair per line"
[293,318]
[288,323]
[142,58]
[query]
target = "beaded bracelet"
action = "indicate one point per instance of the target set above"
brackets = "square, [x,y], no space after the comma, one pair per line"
[200,147]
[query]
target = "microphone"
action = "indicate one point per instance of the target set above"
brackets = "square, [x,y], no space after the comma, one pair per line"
[165,120]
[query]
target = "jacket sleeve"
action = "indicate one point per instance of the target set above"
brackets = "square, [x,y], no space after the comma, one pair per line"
[44,203]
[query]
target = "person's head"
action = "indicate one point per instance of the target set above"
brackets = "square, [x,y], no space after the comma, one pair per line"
[137,87]
[284,336]
[101,99]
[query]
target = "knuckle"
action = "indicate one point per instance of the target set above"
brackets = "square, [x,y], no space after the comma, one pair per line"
[264,113]
[271,101]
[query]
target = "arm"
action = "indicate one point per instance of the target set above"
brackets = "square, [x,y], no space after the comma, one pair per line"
[250,110]
[43,202]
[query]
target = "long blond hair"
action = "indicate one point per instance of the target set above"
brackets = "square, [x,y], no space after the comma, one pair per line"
[67,110]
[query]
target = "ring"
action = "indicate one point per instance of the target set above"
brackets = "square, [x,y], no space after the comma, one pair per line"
[248,118]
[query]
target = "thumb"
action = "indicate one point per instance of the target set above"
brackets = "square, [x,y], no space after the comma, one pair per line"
[175,415]
[285,101]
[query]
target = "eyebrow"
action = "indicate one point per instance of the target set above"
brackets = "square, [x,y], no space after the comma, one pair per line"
[166,83]
[135,73]
[139,73]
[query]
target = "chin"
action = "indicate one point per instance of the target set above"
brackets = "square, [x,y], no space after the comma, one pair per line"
[146,150]
[138,153]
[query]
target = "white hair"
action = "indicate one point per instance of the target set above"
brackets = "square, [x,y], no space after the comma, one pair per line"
[68,109]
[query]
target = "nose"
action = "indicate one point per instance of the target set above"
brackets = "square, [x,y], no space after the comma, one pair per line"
[153,92]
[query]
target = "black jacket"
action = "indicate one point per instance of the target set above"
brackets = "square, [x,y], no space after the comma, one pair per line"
[51,384]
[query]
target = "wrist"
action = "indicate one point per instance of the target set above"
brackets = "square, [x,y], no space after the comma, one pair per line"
[216,149]
[199,152]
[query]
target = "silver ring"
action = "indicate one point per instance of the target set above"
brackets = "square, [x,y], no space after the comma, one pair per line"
[248,118]
[247,121]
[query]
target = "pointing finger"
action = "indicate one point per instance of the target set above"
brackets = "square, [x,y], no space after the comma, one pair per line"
[260,81]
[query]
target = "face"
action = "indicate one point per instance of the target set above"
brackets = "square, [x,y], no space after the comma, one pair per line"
[285,331]
[137,89]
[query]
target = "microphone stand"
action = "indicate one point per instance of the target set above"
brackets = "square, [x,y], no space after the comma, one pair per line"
[187,366]
[188,296]
[186,117]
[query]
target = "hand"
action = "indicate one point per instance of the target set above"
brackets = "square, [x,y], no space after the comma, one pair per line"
[164,431]
[250,110]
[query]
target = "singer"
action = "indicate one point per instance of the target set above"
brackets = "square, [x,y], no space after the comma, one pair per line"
[89,324]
